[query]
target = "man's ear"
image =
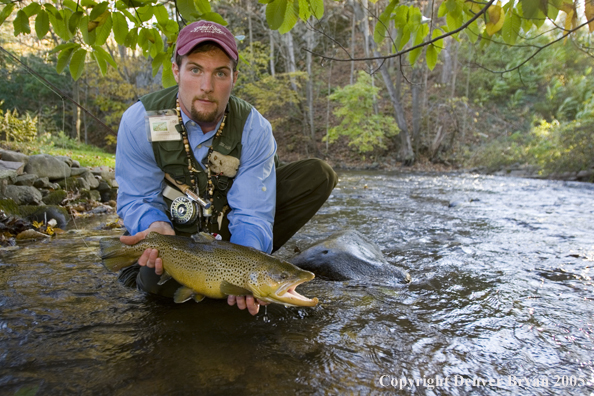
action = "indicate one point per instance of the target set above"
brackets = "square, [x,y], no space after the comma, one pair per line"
[175,70]
[235,74]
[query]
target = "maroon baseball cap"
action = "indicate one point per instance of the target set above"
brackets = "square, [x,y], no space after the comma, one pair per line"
[198,32]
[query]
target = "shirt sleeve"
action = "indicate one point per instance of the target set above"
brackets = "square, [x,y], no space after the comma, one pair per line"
[252,197]
[140,180]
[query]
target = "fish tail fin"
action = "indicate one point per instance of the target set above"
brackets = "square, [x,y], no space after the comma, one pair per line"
[115,255]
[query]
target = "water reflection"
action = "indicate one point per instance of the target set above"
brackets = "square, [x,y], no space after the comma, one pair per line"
[501,287]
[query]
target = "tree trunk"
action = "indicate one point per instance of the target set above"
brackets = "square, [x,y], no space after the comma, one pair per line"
[292,67]
[416,107]
[251,36]
[407,153]
[271,52]
[455,68]
[366,41]
[446,69]
[76,113]
[353,27]
[328,104]
[309,39]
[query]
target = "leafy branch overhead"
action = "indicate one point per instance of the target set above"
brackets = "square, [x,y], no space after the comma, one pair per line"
[85,28]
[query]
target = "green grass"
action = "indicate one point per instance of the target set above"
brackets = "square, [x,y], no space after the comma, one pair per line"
[87,155]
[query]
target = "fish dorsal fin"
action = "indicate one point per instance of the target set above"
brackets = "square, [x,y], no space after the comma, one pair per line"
[203,237]
[232,290]
[183,294]
[164,278]
[151,235]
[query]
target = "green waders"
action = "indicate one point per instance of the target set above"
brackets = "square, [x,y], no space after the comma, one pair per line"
[302,187]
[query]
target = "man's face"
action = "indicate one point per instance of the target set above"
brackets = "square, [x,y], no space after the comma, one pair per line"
[205,82]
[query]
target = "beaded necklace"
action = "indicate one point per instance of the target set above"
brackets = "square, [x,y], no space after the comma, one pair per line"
[194,171]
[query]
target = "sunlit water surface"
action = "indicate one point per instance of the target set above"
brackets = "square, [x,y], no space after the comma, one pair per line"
[501,293]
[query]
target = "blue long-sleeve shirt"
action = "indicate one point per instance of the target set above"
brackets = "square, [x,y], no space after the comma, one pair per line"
[252,197]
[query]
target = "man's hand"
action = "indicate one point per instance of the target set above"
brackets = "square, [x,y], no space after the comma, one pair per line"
[150,256]
[243,302]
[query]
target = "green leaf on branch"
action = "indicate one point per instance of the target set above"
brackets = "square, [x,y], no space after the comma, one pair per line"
[161,14]
[473,32]
[98,11]
[145,13]
[74,21]
[6,11]
[102,63]
[72,5]
[214,17]
[203,6]
[158,62]
[103,30]
[63,47]
[64,57]
[534,9]
[304,11]
[380,31]
[431,56]
[511,27]
[77,63]
[21,23]
[131,39]
[31,9]
[187,10]
[275,13]
[104,55]
[291,16]
[41,24]
[167,78]
[442,10]
[120,27]
[439,43]
[317,8]
[401,16]
[414,55]
[88,37]
[402,37]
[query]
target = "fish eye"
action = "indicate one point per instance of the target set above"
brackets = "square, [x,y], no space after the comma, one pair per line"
[284,275]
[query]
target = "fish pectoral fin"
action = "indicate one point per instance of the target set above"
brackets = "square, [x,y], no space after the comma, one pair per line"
[164,278]
[183,294]
[232,290]
[198,297]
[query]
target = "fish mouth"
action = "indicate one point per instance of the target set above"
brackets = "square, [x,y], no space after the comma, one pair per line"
[287,295]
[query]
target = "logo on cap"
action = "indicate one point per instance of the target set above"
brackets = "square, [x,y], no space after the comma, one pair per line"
[207,29]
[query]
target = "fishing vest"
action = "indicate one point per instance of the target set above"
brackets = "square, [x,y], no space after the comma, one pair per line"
[171,157]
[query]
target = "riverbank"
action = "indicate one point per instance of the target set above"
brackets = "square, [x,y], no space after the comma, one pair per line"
[43,193]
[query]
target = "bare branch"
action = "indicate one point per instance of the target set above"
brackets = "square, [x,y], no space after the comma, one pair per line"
[400,53]
[537,51]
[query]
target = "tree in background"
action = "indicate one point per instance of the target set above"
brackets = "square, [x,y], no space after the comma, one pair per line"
[364,129]
[404,36]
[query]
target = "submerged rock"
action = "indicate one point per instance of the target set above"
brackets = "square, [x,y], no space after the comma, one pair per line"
[348,255]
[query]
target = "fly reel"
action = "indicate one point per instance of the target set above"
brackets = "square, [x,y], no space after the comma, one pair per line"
[183,210]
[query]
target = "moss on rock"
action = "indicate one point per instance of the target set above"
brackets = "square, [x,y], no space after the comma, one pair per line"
[9,207]
[55,197]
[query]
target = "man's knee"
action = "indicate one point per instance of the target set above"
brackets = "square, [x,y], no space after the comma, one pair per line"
[321,173]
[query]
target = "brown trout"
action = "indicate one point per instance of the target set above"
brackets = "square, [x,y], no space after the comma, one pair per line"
[206,267]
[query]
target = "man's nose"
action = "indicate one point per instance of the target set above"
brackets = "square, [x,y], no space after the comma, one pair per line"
[206,84]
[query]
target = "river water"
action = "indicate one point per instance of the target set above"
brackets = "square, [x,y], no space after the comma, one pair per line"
[500,303]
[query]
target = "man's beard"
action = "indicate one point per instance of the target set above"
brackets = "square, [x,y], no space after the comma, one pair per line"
[201,116]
